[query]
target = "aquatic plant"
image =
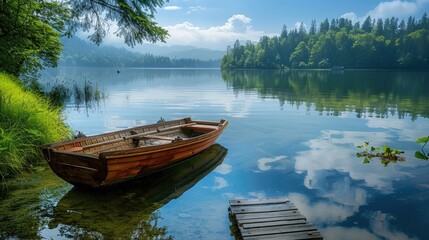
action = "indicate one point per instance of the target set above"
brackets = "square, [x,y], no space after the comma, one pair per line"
[386,154]
[81,94]
[26,122]
[422,154]
[59,95]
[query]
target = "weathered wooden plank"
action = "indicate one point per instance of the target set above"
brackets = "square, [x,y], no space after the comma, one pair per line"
[287,213]
[263,208]
[276,230]
[200,127]
[78,166]
[310,235]
[273,224]
[258,201]
[270,219]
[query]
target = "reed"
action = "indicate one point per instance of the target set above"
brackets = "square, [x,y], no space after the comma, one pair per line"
[26,122]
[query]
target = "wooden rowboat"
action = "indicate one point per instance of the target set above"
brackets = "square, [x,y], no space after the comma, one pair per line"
[109,158]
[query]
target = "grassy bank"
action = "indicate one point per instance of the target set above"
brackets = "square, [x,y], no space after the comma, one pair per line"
[26,122]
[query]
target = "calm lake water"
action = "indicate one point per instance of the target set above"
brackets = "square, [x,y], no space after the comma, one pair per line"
[291,134]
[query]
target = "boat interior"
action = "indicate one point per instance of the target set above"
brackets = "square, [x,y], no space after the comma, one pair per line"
[144,136]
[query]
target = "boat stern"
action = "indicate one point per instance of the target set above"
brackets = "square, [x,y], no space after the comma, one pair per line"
[76,168]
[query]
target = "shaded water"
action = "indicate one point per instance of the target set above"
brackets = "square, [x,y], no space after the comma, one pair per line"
[291,134]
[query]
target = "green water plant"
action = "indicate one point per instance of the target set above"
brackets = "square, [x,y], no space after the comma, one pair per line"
[386,154]
[27,121]
[422,154]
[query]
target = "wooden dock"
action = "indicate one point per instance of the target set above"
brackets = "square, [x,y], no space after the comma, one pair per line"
[270,218]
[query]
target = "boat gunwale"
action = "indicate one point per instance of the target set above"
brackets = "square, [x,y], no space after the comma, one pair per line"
[77,140]
[221,124]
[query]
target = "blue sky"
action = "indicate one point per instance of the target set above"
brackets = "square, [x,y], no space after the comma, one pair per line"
[215,24]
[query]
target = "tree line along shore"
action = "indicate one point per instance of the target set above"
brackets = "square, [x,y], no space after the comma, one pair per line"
[375,44]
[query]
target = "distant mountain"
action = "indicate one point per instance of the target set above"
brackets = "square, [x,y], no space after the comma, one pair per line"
[177,51]
[198,53]
[78,52]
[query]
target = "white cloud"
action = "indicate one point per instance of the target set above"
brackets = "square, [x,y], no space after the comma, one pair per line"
[395,8]
[195,9]
[350,15]
[172,8]
[186,33]
[298,25]
[216,37]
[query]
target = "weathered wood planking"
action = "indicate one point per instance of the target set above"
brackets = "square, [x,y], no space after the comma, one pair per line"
[270,218]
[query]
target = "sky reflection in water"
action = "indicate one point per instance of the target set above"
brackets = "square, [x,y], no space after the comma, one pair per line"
[290,134]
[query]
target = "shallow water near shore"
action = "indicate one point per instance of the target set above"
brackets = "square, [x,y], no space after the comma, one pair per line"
[291,134]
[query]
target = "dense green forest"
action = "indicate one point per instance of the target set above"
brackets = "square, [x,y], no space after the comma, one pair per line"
[80,53]
[374,44]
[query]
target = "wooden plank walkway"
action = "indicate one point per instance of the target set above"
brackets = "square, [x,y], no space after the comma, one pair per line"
[270,218]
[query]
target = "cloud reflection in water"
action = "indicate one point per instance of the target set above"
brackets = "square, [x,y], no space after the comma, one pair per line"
[278,163]
[336,150]
[342,181]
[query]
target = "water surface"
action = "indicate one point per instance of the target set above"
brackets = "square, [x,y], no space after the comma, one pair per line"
[291,134]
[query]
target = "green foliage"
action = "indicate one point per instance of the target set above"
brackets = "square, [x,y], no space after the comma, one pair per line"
[134,18]
[388,155]
[422,154]
[30,29]
[385,154]
[86,95]
[376,44]
[423,140]
[300,55]
[26,122]
[29,35]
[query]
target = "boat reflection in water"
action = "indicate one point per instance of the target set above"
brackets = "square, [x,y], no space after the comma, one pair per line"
[130,211]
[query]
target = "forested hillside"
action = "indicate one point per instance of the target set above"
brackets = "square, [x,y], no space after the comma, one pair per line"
[80,53]
[374,44]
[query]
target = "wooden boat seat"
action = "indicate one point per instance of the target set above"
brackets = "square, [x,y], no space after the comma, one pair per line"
[159,137]
[200,127]
[158,142]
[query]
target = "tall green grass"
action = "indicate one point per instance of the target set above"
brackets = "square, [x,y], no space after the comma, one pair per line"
[26,122]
